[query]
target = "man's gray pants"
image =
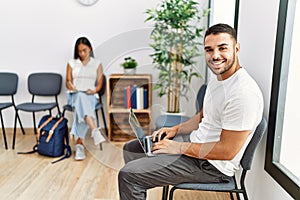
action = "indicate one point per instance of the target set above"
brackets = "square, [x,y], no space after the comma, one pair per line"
[141,173]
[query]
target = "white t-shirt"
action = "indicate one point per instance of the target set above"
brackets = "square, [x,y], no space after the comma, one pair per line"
[233,104]
[84,77]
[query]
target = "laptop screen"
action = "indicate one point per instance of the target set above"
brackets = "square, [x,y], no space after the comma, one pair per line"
[145,141]
[135,125]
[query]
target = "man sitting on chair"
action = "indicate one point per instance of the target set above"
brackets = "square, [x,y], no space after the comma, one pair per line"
[208,147]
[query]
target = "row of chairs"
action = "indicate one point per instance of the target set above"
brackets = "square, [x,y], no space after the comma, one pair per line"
[39,84]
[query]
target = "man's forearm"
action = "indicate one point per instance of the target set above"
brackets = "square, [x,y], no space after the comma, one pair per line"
[226,148]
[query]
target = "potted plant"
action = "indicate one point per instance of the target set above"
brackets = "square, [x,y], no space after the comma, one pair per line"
[129,65]
[176,43]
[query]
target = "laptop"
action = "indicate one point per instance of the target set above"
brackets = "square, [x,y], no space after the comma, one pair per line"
[145,140]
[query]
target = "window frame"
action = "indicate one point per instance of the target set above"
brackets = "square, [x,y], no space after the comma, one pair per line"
[281,58]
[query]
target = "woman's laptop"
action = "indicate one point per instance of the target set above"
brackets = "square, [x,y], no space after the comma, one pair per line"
[145,140]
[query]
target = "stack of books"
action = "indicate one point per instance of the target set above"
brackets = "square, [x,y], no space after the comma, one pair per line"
[135,97]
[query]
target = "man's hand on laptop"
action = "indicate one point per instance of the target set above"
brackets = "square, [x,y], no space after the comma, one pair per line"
[164,133]
[167,146]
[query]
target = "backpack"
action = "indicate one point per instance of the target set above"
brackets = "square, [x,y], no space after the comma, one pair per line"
[52,138]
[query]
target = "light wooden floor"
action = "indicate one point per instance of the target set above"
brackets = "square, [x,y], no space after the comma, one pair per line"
[34,177]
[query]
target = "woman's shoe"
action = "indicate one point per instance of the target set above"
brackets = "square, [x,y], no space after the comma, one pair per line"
[97,136]
[79,154]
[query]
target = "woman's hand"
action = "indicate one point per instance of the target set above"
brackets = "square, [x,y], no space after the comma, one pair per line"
[71,86]
[164,133]
[90,91]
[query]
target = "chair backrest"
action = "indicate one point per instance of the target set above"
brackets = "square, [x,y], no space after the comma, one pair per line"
[44,84]
[8,83]
[102,90]
[247,158]
[200,97]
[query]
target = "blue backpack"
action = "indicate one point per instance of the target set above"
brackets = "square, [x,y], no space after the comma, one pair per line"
[52,138]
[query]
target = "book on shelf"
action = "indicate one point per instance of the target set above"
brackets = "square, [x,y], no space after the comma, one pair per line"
[145,98]
[127,99]
[139,97]
[135,97]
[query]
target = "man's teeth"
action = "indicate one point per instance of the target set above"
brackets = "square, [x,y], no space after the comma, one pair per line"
[218,62]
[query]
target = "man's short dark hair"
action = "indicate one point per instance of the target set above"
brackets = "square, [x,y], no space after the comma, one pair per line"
[221,28]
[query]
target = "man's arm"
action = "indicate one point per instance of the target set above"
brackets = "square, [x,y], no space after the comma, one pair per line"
[190,125]
[229,145]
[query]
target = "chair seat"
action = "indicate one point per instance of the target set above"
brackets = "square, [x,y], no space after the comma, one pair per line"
[68,107]
[208,186]
[98,106]
[35,107]
[169,120]
[5,105]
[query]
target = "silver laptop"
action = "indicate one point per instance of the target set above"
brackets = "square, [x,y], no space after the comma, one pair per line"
[145,140]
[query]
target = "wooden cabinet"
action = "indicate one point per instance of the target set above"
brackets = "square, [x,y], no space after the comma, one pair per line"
[118,126]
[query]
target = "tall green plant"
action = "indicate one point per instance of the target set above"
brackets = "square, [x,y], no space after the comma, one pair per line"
[177,39]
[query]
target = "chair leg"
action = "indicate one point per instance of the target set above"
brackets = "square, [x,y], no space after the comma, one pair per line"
[237,196]
[96,112]
[19,119]
[63,113]
[34,125]
[231,196]
[15,130]
[97,119]
[3,130]
[245,195]
[165,192]
[172,193]
[104,121]
[58,110]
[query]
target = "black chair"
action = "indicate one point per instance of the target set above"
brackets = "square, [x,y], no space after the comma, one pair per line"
[172,120]
[44,85]
[99,106]
[230,187]
[8,87]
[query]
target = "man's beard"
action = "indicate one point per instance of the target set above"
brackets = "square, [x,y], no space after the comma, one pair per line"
[227,67]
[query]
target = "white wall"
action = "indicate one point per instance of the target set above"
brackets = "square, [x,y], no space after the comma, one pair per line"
[257,35]
[217,12]
[39,36]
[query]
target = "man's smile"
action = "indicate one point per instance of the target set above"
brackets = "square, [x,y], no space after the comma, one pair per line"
[217,63]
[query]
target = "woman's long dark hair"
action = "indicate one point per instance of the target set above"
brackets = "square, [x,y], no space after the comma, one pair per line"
[82,40]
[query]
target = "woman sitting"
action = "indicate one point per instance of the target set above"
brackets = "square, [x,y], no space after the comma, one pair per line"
[84,80]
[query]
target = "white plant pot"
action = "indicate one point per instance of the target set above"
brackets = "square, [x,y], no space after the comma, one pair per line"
[174,114]
[130,71]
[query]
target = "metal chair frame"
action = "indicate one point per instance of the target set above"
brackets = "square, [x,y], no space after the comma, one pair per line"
[8,87]
[44,84]
[230,187]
